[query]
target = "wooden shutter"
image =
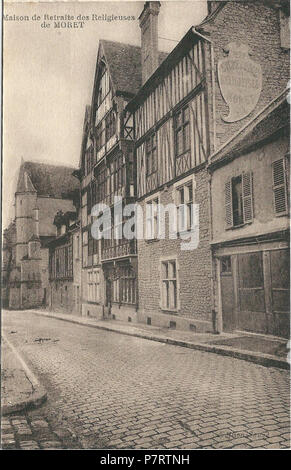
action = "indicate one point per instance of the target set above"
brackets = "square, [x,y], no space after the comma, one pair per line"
[280,186]
[247,193]
[228,204]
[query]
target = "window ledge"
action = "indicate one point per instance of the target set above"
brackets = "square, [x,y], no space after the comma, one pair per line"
[152,240]
[185,232]
[282,214]
[234,227]
[170,311]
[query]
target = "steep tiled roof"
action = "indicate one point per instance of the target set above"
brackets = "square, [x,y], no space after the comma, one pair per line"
[124,61]
[47,180]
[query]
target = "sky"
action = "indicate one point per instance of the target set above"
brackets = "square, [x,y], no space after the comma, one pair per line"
[48,75]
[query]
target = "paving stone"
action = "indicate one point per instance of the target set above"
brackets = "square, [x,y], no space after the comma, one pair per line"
[6,431]
[24,432]
[62,433]
[29,445]
[274,439]
[50,444]
[7,437]
[258,444]
[9,444]
[39,424]
[206,443]
[117,390]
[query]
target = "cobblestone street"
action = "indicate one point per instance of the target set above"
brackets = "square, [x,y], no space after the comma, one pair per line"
[107,390]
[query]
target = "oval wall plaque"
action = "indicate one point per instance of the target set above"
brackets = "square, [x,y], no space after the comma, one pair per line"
[240,81]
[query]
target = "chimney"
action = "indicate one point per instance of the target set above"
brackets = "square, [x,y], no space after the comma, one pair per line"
[148,22]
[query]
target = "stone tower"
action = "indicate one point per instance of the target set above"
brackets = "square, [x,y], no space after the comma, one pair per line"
[25,202]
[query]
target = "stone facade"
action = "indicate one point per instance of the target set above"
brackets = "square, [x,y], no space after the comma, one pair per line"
[257,25]
[252,257]
[37,199]
[194,274]
[158,283]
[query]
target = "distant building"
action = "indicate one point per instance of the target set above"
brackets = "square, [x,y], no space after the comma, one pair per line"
[41,191]
[250,210]
[8,260]
[65,264]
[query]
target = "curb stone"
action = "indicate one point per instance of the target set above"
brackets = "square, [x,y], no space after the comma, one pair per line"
[39,395]
[262,359]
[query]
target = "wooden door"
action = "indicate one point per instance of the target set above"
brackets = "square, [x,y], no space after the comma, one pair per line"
[227,294]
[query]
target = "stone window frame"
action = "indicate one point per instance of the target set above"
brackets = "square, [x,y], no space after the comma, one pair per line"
[93,285]
[163,307]
[149,200]
[184,183]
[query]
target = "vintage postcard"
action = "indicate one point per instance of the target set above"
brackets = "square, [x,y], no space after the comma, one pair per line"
[145,228]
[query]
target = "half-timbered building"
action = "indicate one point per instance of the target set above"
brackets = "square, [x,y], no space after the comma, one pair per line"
[65,263]
[109,274]
[171,122]
[215,81]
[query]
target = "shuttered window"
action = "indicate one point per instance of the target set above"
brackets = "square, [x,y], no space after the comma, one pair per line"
[280,194]
[239,200]
[247,197]
[228,204]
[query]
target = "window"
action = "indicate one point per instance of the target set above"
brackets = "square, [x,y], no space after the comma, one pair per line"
[124,288]
[89,159]
[182,132]
[104,85]
[100,135]
[110,124]
[101,185]
[152,219]
[85,248]
[92,244]
[225,265]
[239,200]
[169,285]
[93,278]
[280,186]
[61,265]
[151,154]
[89,203]
[77,247]
[185,206]
[84,208]
[116,176]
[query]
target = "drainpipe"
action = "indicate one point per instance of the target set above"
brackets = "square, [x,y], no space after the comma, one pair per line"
[212,83]
[214,314]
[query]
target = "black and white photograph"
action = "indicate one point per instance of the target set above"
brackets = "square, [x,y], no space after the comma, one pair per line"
[145,279]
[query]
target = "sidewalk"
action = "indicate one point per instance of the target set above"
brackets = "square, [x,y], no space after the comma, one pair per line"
[260,349]
[20,389]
